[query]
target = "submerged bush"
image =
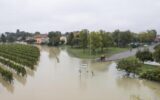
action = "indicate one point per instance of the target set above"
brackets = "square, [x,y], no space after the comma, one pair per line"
[7,75]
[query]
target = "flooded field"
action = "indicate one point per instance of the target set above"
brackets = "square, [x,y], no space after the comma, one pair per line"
[57,77]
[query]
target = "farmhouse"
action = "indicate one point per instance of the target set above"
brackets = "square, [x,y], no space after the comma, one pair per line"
[41,38]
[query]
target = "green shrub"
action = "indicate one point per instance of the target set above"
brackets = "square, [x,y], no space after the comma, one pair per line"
[144,55]
[129,65]
[153,75]
[156,55]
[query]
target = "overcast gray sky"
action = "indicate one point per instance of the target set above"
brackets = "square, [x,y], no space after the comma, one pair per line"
[71,15]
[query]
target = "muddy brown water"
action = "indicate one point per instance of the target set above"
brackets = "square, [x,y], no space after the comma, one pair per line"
[57,77]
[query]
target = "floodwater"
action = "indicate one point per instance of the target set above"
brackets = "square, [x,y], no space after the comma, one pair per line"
[58,77]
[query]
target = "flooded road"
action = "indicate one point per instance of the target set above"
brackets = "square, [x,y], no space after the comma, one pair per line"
[57,77]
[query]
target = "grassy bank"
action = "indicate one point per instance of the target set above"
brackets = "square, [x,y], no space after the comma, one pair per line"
[150,72]
[145,67]
[80,53]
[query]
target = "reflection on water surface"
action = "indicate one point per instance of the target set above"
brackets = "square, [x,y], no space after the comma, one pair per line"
[57,77]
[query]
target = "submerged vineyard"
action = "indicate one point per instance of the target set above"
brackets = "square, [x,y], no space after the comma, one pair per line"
[16,57]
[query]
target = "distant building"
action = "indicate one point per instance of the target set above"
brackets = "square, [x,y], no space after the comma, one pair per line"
[76,33]
[19,38]
[29,38]
[41,38]
[157,39]
[63,38]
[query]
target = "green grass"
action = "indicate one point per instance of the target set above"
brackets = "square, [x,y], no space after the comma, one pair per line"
[78,52]
[146,67]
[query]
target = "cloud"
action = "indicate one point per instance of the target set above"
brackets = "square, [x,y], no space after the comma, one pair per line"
[70,15]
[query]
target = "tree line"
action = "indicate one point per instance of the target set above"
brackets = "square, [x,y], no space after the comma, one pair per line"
[14,36]
[102,39]
[84,38]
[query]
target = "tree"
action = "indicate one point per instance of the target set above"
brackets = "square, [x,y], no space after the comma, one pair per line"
[73,39]
[122,38]
[18,31]
[37,33]
[19,35]
[115,37]
[54,38]
[125,38]
[76,40]
[3,38]
[153,34]
[62,42]
[147,37]
[129,65]
[11,38]
[70,38]
[156,55]
[134,37]
[94,41]
[83,36]
[105,39]
[144,55]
